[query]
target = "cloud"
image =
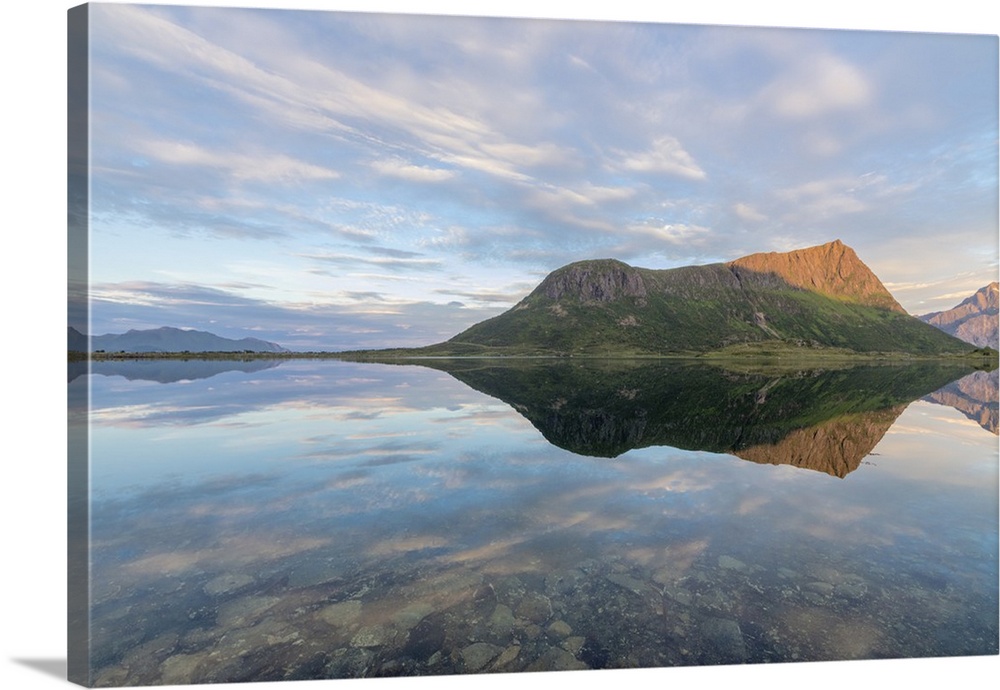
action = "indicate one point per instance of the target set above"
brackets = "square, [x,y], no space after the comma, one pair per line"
[822,143]
[261,167]
[748,213]
[300,92]
[500,297]
[147,293]
[393,263]
[665,155]
[672,233]
[821,199]
[584,195]
[364,296]
[527,155]
[817,86]
[412,173]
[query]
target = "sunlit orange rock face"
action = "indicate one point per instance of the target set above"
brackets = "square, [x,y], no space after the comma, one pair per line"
[832,269]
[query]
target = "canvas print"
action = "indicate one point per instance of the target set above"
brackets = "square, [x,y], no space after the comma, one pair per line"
[411,345]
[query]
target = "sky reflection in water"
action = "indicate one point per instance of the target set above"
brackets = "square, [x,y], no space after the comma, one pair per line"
[329,519]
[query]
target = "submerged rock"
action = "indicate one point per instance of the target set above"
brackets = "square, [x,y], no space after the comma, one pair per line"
[501,621]
[373,636]
[535,607]
[341,614]
[227,584]
[730,563]
[560,628]
[722,641]
[426,638]
[180,669]
[556,659]
[574,644]
[851,590]
[822,588]
[477,655]
[626,582]
[507,656]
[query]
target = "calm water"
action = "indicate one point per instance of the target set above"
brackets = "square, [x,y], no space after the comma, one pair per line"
[324,519]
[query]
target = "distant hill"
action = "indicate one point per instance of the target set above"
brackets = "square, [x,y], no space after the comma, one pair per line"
[77,341]
[819,297]
[975,320]
[168,339]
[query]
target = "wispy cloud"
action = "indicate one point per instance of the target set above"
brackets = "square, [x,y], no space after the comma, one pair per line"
[821,198]
[673,233]
[666,155]
[392,263]
[263,167]
[412,173]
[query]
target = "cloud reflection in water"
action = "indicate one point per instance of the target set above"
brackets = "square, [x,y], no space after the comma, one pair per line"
[374,536]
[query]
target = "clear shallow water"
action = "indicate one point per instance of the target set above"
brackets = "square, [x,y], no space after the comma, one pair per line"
[322,519]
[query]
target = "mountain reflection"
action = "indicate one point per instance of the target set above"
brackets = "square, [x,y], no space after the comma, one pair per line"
[976,396]
[826,420]
[168,370]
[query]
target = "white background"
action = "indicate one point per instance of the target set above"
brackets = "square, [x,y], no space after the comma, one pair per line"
[33,319]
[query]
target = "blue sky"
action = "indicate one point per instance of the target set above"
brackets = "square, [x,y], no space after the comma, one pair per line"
[331,180]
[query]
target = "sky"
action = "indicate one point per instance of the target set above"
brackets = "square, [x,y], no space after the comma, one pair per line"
[332,180]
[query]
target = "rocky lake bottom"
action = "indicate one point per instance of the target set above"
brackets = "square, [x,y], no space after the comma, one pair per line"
[589,615]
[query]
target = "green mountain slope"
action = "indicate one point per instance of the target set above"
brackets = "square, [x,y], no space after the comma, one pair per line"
[821,297]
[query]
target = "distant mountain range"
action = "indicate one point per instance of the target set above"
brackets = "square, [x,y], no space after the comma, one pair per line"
[975,320]
[167,339]
[820,298]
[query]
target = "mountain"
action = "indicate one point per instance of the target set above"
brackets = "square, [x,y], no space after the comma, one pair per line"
[169,339]
[820,297]
[76,341]
[975,320]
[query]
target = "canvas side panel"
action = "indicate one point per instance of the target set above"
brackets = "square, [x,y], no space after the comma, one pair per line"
[78,398]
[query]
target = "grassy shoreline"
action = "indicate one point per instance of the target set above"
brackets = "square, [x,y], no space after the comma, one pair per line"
[757,352]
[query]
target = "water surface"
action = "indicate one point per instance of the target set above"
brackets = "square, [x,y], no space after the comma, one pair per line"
[325,519]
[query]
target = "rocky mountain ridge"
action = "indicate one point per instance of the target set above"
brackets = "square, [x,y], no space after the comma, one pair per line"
[975,320]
